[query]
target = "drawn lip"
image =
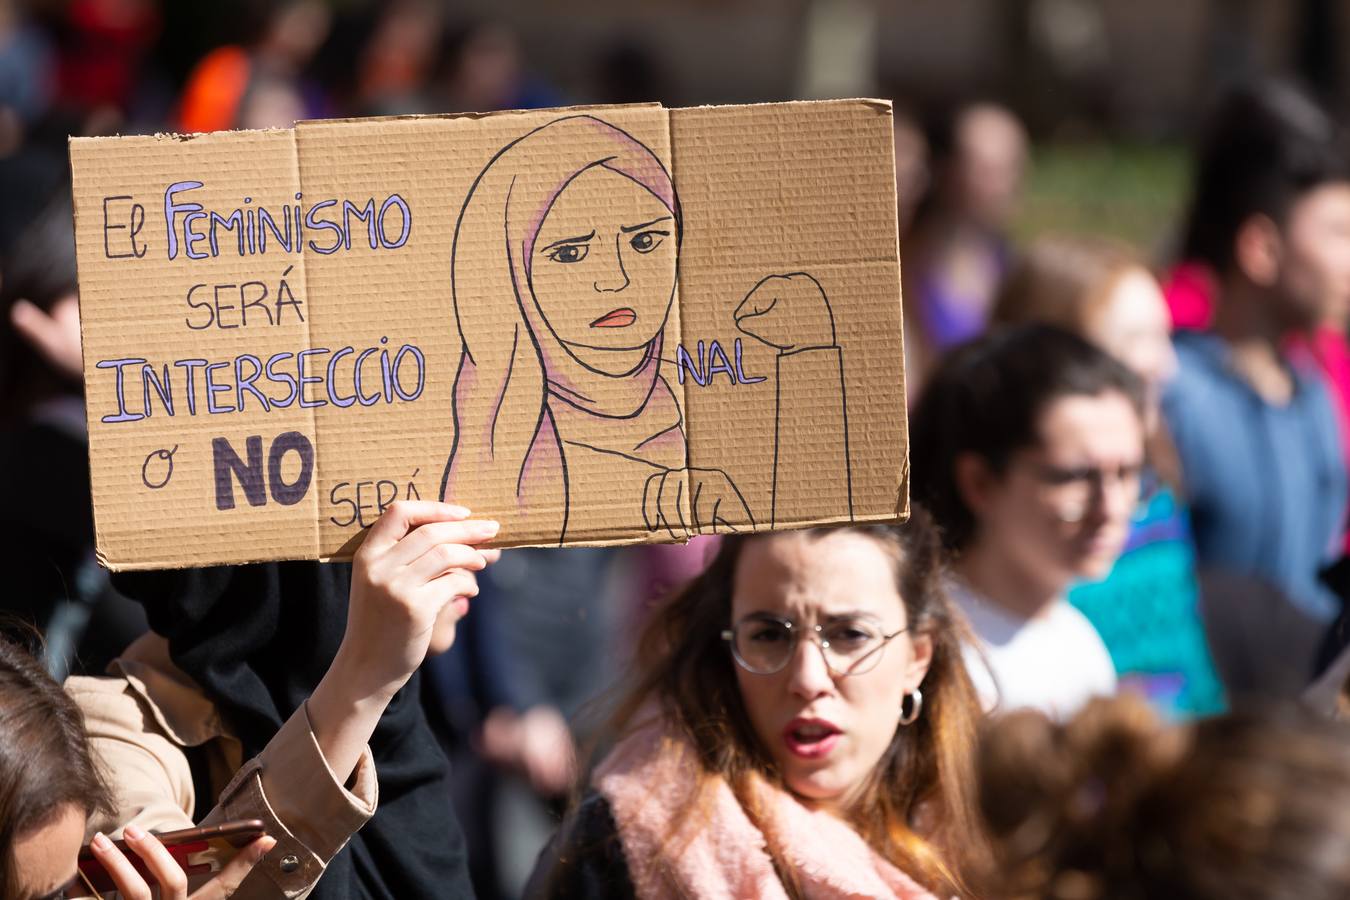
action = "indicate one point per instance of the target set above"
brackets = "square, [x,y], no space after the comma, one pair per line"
[616,318]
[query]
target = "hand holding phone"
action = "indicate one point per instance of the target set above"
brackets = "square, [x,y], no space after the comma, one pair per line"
[166,860]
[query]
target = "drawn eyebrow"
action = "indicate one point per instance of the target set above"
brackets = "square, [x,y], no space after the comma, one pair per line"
[631,228]
[572,240]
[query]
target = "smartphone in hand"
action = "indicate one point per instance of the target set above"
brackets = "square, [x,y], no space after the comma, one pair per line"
[200,851]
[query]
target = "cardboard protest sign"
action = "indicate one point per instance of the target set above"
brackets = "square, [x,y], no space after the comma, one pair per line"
[598,326]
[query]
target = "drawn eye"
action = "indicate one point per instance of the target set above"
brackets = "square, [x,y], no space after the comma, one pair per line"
[569,253]
[647,241]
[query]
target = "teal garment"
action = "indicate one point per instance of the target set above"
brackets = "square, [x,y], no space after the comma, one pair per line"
[1146,611]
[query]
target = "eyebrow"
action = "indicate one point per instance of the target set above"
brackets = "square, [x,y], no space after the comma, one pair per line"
[851,614]
[631,228]
[843,615]
[574,240]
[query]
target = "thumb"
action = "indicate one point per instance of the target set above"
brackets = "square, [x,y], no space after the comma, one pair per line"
[236,870]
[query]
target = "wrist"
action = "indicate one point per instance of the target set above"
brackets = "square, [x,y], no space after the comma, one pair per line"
[352,679]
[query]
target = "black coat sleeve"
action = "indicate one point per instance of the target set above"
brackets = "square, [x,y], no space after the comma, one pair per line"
[585,860]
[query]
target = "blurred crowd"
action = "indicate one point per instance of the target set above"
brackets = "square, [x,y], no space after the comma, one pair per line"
[1129,469]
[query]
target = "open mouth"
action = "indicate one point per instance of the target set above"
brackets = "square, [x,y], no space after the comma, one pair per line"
[811,738]
[616,318]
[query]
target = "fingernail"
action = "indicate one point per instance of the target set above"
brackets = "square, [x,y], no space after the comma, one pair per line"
[461,511]
[133,832]
[268,842]
[101,842]
[490,527]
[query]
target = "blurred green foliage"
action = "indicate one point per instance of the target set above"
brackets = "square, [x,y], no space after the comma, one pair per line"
[1136,192]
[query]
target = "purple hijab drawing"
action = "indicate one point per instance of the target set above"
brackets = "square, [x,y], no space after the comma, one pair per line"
[564,275]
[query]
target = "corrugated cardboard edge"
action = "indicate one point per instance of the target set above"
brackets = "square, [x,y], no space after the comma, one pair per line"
[878,105]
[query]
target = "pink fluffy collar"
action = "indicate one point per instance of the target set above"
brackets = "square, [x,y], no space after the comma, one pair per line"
[717,851]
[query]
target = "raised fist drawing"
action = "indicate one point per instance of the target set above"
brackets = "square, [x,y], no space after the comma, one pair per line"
[789,312]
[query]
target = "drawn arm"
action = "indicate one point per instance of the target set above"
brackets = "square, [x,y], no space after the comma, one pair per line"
[506,462]
[812,469]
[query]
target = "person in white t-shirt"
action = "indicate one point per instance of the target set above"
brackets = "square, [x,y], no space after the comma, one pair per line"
[1026,447]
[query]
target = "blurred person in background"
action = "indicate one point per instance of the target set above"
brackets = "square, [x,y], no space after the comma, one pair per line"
[27,75]
[1262,459]
[1116,805]
[539,646]
[50,787]
[1147,609]
[47,530]
[911,166]
[485,71]
[101,46]
[1027,446]
[262,85]
[956,250]
[397,62]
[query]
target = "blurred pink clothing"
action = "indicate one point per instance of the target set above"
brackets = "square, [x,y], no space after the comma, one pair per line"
[664,568]
[1189,290]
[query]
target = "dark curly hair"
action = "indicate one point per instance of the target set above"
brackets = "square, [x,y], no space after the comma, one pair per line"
[1116,805]
[987,396]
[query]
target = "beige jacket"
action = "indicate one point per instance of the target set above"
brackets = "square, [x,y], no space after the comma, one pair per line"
[143,719]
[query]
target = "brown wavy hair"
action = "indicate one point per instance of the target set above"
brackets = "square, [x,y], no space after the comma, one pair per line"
[1117,805]
[920,811]
[45,763]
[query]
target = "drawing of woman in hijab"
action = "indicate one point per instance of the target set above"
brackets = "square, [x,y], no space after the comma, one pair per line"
[564,275]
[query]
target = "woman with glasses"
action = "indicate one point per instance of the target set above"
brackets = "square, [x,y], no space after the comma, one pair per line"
[1027,446]
[1147,608]
[799,724]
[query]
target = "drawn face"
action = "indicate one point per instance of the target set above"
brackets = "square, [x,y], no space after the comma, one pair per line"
[827,732]
[603,272]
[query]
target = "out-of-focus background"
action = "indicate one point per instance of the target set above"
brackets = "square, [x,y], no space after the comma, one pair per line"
[1108,88]
[1089,111]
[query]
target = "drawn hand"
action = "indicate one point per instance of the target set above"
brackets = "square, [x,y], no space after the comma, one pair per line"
[715,506]
[54,335]
[789,312]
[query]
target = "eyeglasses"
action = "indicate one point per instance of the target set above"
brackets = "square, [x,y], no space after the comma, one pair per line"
[763,644]
[1078,489]
[78,886]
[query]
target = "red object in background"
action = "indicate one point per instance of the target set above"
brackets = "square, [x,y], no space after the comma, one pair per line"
[215,90]
[101,53]
[1189,291]
[1329,351]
